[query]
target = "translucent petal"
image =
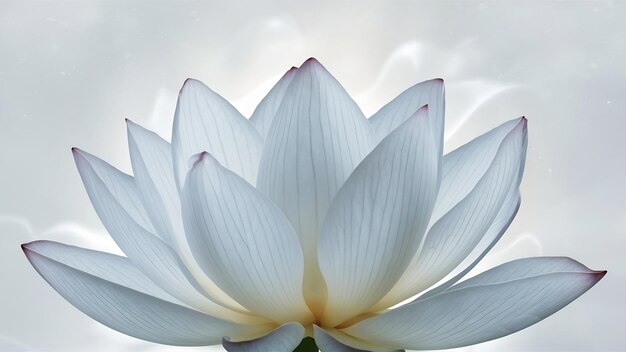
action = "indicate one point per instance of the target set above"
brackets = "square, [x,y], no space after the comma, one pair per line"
[151,158]
[153,256]
[377,220]
[394,113]
[204,121]
[132,312]
[317,138]
[243,242]
[455,235]
[264,113]
[113,268]
[497,303]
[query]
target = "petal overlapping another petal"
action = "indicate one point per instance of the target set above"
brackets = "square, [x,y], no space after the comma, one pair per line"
[496,303]
[151,159]
[394,113]
[456,234]
[204,121]
[108,190]
[378,218]
[318,136]
[309,220]
[264,114]
[132,309]
[243,242]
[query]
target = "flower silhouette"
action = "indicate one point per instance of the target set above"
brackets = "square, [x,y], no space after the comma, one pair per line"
[309,220]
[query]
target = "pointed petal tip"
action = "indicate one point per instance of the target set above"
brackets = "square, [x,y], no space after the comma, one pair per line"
[28,252]
[311,60]
[131,125]
[29,245]
[310,63]
[290,72]
[198,159]
[594,276]
[190,83]
[421,112]
[521,125]
[78,152]
[190,80]
[599,274]
[523,120]
[28,249]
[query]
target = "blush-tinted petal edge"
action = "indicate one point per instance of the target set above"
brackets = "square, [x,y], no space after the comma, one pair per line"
[132,312]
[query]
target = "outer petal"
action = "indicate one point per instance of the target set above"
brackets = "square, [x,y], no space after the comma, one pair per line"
[492,236]
[465,166]
[496,303]
[336,341]
[152,255]
[317,138]
[151,158]
[243,242]
[392,115]
[120,185]
[285,338]
[204,121]
[109,267]
[264,113]
[132,312]
[377,220]
[453,237]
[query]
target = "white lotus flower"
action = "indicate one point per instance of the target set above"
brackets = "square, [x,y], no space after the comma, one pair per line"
[309,220]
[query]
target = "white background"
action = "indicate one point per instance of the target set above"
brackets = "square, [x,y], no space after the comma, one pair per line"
[71,71]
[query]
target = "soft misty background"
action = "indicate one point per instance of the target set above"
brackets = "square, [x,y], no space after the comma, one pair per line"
[70,72]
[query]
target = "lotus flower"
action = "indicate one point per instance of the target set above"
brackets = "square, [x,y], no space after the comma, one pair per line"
[309,220]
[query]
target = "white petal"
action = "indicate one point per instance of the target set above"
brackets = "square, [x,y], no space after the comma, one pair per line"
[151,158]
[377,220]
[243,242]
[465,166]
[109,267]
[333,340]
[524,268]
[154,176]
[453,237]
[204,121]
[394,113]
[285,338]
[492,236]
[496,303]
[317,138]
[154,257]
[120,185]
[264,113]
[132,312]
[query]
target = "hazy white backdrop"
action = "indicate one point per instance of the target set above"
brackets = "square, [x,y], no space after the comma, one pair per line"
[70,72]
